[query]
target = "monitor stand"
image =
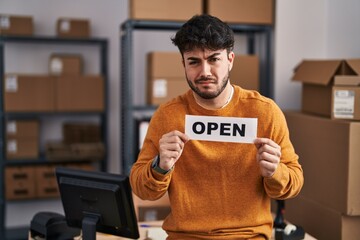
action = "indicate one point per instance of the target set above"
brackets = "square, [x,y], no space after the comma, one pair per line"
[89,226]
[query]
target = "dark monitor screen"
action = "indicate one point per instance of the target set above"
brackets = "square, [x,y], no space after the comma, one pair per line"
[97,202]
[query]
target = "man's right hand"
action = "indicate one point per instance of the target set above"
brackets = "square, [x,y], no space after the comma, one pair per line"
[171,147]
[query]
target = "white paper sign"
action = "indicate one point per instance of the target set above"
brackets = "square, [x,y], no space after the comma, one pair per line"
[11,127]
[160,88]
[344,104]
[11,84]
[221,129]
[5,22]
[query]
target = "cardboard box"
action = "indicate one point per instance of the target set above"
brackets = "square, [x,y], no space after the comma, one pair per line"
[345,103]
[317,77]
[151,210]
[245,72]
[73,28]
[16,25]
[28,93]
[22,128]
[165,64]
[22,148]
[65,64]
[242,11]
[19,183]
[166,78]
[168,10]
[330,157]
[164,89]
[80,93]
[320,221]
[81,132]
[45,181]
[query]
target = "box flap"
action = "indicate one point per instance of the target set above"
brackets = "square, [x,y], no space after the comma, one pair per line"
[347,80]
[355,65]
[319,72]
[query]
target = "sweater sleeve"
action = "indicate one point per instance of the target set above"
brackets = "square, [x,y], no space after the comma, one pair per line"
[146,183]
[288,178]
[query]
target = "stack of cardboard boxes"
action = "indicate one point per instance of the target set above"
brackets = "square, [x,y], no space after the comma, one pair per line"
[64,89]
[326,135]
[231,11]
[21,25]
[30,182]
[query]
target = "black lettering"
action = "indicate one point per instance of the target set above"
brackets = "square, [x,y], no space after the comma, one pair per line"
[211,126]
[225,127]
[202,127]
[241,130]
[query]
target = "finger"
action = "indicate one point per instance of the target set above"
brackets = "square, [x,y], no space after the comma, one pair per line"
[269,149]
[181,135]
[262,141]
[268,157]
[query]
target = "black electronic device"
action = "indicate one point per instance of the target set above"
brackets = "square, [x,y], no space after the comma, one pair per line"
[97,202]
[50,225]
[283,230]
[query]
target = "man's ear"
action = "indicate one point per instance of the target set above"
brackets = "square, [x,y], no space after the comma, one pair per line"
[231,58]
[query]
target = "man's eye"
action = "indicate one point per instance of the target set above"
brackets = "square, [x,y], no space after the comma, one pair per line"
[214,59]
[192,62]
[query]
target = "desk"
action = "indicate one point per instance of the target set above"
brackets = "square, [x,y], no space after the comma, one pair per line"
[154,231]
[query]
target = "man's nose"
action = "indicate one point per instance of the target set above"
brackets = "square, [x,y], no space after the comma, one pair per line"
[205,69]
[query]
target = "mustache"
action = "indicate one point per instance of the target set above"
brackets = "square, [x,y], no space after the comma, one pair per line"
[204,79]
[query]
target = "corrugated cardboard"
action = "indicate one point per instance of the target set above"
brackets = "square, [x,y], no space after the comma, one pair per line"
[19,183]
[169,10]
[245,72]
[345,103]
[317,77]
[22,139]
[65,64]
[22,148]
[45,181]
[165,64]
[28,93]
[165,89]
[80,93]
[166,77]
[16,25]
[320,221]
[81,132]
[73,28]
[330,156]
[22,128]
[242,11]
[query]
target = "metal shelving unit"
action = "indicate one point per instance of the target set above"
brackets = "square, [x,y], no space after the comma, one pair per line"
[259,41]
[102,45]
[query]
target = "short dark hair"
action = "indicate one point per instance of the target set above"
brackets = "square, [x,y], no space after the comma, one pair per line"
[204,32]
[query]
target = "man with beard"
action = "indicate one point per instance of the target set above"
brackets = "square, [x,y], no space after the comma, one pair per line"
[217,190]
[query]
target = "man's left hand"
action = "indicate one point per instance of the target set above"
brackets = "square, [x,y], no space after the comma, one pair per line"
[268,156]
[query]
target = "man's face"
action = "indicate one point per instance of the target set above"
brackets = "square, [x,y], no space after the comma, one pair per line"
[207,71]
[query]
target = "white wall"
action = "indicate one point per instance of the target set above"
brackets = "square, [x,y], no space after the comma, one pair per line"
[303,29]
[311,29]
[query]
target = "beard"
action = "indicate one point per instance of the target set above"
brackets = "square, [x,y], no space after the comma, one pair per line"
[209,95]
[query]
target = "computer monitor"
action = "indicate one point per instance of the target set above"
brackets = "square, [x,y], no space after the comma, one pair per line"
[97,202]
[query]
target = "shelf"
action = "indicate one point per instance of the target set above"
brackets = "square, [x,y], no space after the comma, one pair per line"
[51,40]
[259,41]
[43,160]
[102,45]
[22,115]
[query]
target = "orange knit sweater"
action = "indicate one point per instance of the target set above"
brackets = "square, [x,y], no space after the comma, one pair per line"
[215,189]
